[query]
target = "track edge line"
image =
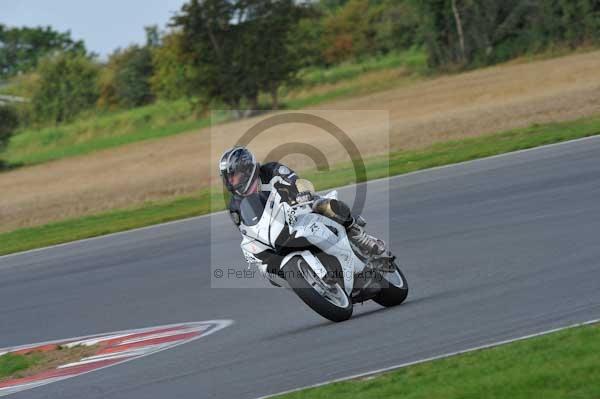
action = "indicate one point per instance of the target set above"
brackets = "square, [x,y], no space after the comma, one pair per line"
[429,359]
[399,176]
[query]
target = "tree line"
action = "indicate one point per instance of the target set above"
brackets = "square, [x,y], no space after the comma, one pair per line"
[471,33]
[228,52]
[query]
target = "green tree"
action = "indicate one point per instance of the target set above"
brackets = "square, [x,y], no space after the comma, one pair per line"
[571,22]
[22,48]
[271,59]
[132,80]
[208,40]
[471,32]
[67,85]
[331,5]
[125,81]
[307,45]
[365,28]
[239,47]
[348,32]
[8,123]
[153,38]
[480,32]
[172,68]
[396,25]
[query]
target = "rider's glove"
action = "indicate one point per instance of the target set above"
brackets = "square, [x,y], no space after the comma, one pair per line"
[287,191]
[303,197]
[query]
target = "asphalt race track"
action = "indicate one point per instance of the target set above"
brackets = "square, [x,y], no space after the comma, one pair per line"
[493,249]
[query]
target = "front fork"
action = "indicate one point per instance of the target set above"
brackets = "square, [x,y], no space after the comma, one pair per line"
[368,283]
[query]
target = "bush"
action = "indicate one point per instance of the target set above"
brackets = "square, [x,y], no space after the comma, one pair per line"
[8,123]
[21,48]
[172,69]
[67,86]
[125,82]
[473,33]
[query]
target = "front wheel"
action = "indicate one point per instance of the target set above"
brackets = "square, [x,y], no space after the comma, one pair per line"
[395,288]
[327,299]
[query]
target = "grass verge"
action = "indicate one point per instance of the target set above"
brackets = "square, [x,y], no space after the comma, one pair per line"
[414,59]
[342,174]
[564,364]
[101,131]
[13,366]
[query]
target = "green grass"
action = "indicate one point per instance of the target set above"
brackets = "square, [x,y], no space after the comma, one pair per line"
[11,364]
[351,88]
[342,174]
[414,59]
[347,80]
[564,364]
[23,364]
[105,223]
[96,131]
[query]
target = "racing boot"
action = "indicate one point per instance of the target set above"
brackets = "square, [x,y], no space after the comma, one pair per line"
[363,243]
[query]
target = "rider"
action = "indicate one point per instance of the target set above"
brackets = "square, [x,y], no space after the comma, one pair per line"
[242,176]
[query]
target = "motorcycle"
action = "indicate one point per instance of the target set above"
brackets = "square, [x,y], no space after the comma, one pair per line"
[311,254]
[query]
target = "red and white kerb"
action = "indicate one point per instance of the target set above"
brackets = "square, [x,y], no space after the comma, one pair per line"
[114,348]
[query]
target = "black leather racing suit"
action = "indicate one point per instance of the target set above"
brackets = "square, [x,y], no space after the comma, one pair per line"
[334,209]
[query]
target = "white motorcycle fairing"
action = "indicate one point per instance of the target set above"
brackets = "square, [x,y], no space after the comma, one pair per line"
[330,237]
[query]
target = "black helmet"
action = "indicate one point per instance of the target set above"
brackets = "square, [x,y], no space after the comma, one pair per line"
[239,170]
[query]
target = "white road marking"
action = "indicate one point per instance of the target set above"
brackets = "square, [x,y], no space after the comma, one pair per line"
[154,336]
[10,390]
[429,359]
[112,356]
[95,340]
[203,328]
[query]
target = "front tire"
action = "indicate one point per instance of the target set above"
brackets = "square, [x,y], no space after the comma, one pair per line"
[395,288]
[328,300]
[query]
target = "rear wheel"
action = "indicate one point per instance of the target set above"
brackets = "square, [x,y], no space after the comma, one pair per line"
[395,288]
[326,298]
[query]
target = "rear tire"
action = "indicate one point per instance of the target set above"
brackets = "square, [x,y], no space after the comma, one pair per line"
[395,291]
[295,270]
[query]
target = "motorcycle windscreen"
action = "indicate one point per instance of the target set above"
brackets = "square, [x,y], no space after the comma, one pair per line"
[252,208]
